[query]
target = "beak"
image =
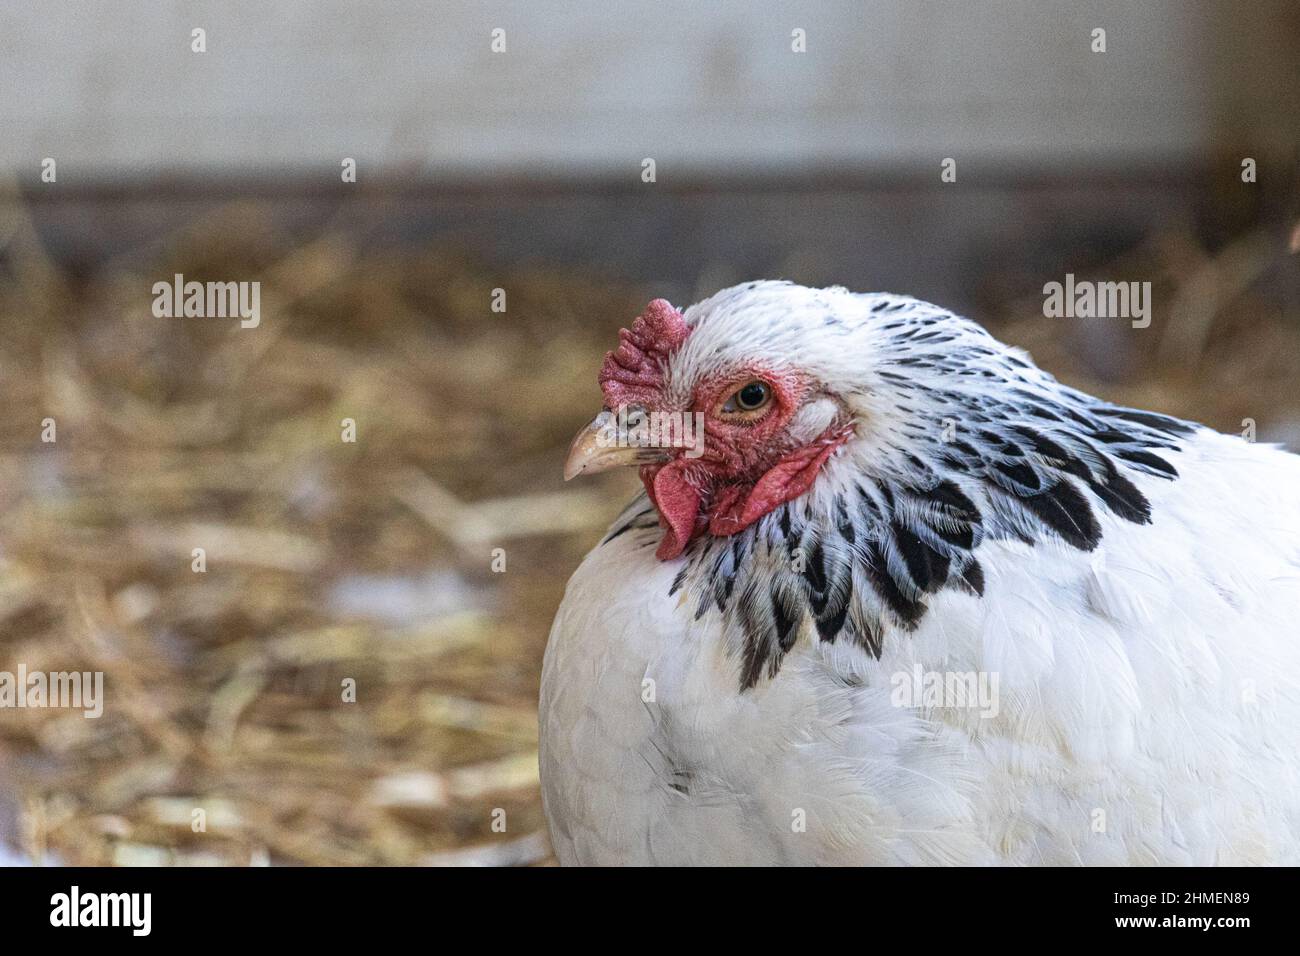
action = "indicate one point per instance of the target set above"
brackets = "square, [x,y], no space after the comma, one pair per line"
[597,448]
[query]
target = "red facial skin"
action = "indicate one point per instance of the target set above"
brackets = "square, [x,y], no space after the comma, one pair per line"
[748,468]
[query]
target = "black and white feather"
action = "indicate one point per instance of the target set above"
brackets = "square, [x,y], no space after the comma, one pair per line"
[1129,583]
[981,444]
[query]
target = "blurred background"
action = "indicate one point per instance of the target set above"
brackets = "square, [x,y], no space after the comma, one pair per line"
[502,146]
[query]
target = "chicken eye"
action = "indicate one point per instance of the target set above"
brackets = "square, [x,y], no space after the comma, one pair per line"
[753,396]
[747,399]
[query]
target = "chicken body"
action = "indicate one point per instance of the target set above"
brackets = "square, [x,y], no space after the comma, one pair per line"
[1131,693]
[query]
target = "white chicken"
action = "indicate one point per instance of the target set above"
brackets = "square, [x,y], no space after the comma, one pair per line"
[917,602]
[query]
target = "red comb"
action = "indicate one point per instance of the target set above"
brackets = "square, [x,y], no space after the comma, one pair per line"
[631,373]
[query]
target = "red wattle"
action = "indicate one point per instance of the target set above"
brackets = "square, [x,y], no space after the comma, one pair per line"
[675,491]
[784,481]
[678,503]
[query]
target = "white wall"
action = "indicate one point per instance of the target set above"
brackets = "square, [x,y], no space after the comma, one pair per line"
[112,87]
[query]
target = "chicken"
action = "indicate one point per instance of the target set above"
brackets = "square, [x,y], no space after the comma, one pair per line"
[913,601]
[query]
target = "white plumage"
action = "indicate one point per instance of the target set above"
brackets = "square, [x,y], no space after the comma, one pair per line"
[745,701]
